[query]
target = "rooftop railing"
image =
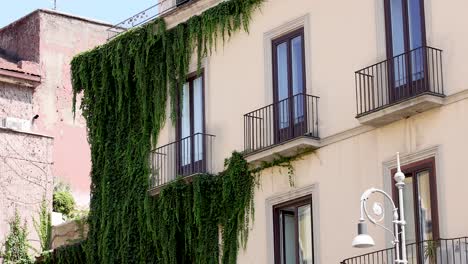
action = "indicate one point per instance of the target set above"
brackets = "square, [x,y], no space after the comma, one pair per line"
[145,16]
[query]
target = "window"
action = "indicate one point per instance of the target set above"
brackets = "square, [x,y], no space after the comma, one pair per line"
[293,232]
[289,85]
[406,39]
[420,201]
[191,126]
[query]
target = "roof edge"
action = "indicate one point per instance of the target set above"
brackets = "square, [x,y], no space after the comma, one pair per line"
[77,17]
[57,13]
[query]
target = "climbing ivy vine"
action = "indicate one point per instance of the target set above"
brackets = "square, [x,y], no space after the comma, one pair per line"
[126,85]
[283,162]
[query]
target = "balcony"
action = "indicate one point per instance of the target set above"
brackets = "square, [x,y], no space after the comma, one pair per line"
[183,158]
[441,251]
[283,128]
[400,87]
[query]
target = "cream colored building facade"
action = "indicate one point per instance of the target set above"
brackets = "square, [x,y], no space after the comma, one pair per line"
[350,154]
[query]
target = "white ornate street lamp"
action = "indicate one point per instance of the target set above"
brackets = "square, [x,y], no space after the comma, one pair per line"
[364,240]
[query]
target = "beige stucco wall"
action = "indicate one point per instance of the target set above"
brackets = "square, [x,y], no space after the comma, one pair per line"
[343,170]
[342,37]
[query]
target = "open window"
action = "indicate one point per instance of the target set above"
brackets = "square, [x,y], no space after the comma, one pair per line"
[293,233]
[420,205]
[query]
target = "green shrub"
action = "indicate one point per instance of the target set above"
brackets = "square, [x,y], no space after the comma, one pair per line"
[43,226]
[63,202]
[16,243]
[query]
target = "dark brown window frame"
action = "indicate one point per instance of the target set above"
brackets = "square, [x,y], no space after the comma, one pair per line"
[389,44]
[411,170]
[388,25]
[296,203]
[288,37]
[190,79]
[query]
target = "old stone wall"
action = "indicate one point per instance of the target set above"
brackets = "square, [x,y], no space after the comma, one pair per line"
[16,101]
[25,178]
[69,233]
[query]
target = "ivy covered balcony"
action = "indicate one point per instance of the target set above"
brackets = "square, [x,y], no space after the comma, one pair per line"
[183,158]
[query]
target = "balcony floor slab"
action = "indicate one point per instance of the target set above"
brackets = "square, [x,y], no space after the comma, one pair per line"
[285,149]
[401,110]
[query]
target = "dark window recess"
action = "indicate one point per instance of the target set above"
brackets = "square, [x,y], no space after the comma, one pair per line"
[289,86]
[420,204]
[405,30]
[293,235]
[192,152]
[181,2]
[191,127]
[293,113]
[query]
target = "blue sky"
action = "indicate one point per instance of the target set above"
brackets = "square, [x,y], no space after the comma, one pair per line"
[113,11]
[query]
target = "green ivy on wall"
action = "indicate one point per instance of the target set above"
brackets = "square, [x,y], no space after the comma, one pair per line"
[126,86]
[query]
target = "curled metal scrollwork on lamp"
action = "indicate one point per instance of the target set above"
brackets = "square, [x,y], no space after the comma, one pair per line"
[363,239]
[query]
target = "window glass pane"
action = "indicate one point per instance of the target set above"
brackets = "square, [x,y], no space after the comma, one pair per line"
[185,145]
[289,239]
[297,78]
[424,206]
[305,234]
[410,218]
[414,20]
[408,204]
[198,118]
[415,39]
[297,61]
[282,82]
[398,42]
[396,16]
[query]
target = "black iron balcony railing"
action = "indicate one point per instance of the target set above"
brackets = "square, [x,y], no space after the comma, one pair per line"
[402,77]
[185,157]
[161,8]
[293,117]
[441,251]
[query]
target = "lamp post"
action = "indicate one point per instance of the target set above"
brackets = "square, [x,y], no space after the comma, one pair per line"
[363,239]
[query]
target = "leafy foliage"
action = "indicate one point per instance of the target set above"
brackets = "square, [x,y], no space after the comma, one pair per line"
[16,243]
[44,226]
[283,162]
[126,86]
[63,202]
[71,254]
